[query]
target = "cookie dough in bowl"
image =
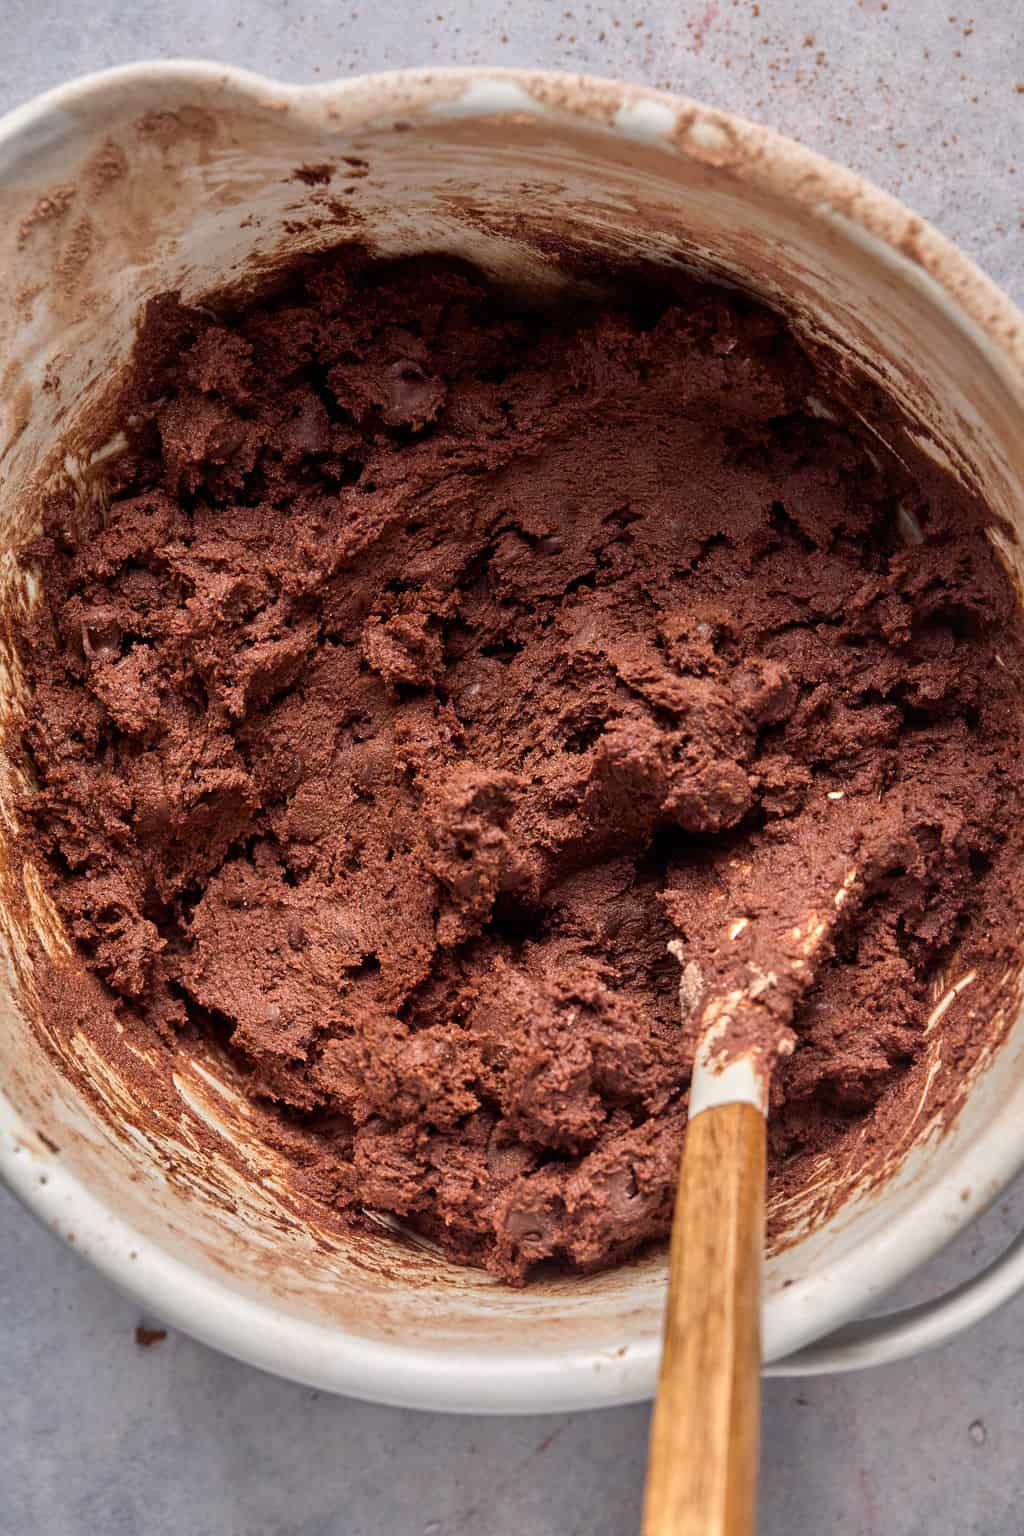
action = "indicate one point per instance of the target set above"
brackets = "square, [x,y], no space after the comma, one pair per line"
[431,615]
[432,666]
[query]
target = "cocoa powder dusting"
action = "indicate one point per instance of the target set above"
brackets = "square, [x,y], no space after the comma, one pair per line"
[147,1337]
[436,664]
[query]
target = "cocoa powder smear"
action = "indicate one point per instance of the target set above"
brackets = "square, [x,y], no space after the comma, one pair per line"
[436,663]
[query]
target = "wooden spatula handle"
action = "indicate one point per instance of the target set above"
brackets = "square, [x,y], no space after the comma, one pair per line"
[705,1433]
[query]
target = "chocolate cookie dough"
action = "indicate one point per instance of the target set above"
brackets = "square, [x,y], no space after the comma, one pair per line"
[435,663]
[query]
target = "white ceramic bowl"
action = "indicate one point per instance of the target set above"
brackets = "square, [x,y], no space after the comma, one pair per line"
[165,176]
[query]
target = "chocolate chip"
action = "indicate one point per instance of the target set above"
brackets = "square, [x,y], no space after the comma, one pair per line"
[413,397]
[101,636]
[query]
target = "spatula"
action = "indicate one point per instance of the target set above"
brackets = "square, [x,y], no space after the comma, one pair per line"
[705,1433]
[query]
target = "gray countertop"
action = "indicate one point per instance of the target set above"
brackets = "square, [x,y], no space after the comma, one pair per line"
[103,1437]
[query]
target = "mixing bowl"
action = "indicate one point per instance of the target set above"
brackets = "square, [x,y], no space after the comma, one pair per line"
[197,177]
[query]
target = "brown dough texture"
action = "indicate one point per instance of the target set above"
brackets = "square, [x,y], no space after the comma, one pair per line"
[436,662]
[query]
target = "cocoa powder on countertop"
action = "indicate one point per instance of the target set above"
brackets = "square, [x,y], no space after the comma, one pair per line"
[436,663]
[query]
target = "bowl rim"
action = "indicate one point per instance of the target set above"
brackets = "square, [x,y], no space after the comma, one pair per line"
[326,1356]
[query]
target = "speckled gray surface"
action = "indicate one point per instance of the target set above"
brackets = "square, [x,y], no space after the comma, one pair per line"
[104,1438]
